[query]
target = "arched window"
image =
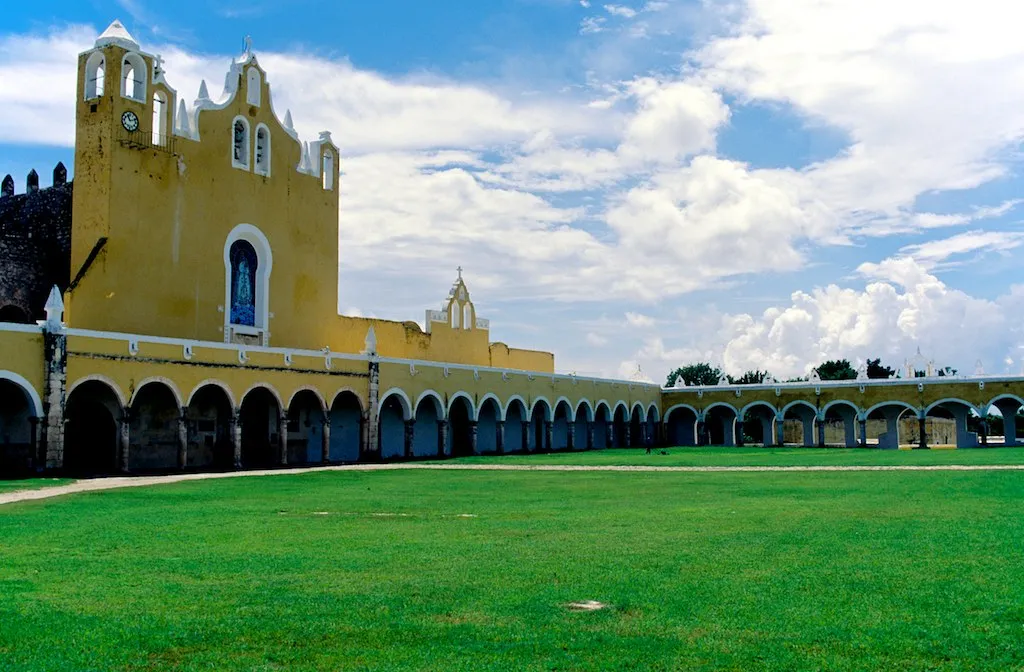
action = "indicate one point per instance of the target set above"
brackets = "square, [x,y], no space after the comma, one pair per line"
[328,170]
[454,310]
[467,316]
[95,69]
[133,77]
[252,87]
[240,143]
[159,118]
[244,264]
[262,150]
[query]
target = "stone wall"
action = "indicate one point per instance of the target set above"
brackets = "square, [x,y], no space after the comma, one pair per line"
[35,245]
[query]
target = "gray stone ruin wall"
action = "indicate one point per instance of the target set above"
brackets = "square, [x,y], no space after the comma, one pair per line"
[35,244]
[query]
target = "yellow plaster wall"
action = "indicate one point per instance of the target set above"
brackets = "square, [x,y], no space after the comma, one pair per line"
[22,353]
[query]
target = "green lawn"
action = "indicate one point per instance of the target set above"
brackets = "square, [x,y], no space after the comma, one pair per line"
[32,484]
[431,570]
[717,456]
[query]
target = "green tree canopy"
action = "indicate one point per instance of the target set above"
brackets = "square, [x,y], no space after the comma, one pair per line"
[877,371]
[701,373]
[837,369]
[750,378]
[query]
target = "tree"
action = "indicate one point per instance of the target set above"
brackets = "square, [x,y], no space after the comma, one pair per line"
[947,371]
[701,373]
[837,369]
[877,371]
[755,377]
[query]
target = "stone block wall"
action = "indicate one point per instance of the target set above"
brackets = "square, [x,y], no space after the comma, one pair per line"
[35,245]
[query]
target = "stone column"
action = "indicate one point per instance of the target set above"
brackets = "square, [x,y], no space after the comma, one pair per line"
[282,437]
[236,437]
[767,432]
[442,438]
[922,438]
[780,432]
[808,431]
[526,436]
[325,438]
[984,431]
[549,435]
[862,429]
[125,438]
[55,366]
[700,438]
[590,434]
[1008,408]
[183,439]
[499,437]
[474,428]
[739,433]
[371,448]
[410,440]
[821,433]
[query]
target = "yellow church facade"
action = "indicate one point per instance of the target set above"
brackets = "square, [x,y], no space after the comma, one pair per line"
[200,329]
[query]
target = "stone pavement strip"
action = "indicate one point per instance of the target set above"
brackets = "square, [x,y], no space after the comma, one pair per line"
[98,484]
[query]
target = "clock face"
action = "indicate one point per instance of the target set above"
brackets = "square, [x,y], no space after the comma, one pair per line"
[130,121]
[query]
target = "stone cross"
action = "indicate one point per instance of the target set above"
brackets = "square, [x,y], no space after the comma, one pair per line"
[459,269]
[158,64]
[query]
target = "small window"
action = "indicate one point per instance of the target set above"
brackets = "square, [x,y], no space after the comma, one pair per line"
[262,150]
[328,171]
[133,77]
[240,143]
[95,70]
[467,317]
[244,264]
[455,315]
[252,87]
[159,119]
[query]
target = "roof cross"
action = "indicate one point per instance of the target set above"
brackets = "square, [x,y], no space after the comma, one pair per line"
[158,61]
[459,269]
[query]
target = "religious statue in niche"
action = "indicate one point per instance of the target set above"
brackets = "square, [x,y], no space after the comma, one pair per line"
[243,284]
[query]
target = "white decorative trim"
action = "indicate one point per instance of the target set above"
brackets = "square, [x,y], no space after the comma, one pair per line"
[33,397]
[508,404]
[264,267]
[412,370]
[186,351]
[343,390]
[157,380]
[114,387]
[243,356]
[269,388]
[133,346]
[462,395]
[307,388]
[212,382]
[287,359]
[408,410]
[431,394]
[138,64]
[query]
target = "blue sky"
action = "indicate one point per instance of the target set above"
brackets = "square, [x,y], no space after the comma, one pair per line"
[758,183]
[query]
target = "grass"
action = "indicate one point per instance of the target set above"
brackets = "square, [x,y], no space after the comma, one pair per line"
[32,484]
[471,570]
[757,456]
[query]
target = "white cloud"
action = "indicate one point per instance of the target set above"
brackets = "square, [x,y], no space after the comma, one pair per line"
[620,10]
[596,340]
[639,320]
[584,3]
[592,24]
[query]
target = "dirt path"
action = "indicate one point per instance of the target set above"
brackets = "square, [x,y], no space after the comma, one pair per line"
[98,484]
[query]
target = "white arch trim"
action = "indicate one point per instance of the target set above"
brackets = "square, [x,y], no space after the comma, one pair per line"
[307,388]
[793,404]
[161,380]
[883,404]
[673,409]
[755,404]
[611,410]
[264,266]
[584,403]
[489,396]
[101,379]
[30,392]
[438,403]
[839,402]
[342,390]
[549,415]
[462,395]
[952,400]
[406,403]
[657,412]
[720,404]
[269,388]
[515,397]
[571,416]
[215,383]
[615,411]
[638,405]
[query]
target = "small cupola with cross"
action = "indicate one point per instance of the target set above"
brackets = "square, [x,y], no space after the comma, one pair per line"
[457,310]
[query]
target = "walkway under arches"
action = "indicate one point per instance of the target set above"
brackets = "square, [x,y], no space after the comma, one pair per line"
[19,431]
[210,418]
[94,416]
[346,427]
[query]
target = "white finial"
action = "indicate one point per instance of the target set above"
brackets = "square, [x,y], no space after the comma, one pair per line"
[371,342]
[306,164]
[979,368]
[117,34]
[54,308]
[862,372]
[815,376]
[204,93]
[183,127]
[247,42]
[723,380]
[288,120]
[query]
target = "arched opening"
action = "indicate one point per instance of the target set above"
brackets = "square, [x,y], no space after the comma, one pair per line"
[347,427]
[133,77]
[637,428]
[253,90]
[391,433]
[516,427]
[681,426]
[602,427]
[454,311]
[91,437]
[487,427]
[18,429]
[153,431]
[13,314]
[244,264]
[620,422]
[798,425]
[841,424]
[240,143]
[305,428]
[720,425]
[952,422]
[759,424]
[888,423]
[537,436]
[561,426]
[460,433]
[260,415]
[328,170]
[262,150]
[209,429]
[426,441]
[95,73]
[583,427]
[467,316]
[160,112]
[1009,409]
